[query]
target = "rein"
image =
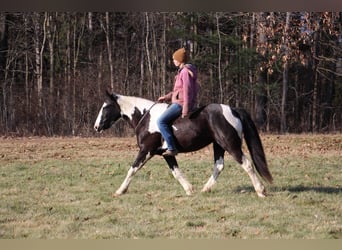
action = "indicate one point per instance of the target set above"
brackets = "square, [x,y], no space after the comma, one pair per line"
[143,117]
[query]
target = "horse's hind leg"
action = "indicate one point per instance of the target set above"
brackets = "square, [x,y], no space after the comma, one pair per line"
[236,152]
[172,162]
[258,186]
[218,167]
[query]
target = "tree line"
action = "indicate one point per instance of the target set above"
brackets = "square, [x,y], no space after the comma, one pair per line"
[285,68]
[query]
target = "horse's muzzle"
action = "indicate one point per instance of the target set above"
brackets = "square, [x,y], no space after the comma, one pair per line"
[97,129]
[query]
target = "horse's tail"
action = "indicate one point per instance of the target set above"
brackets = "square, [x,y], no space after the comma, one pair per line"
[254,144]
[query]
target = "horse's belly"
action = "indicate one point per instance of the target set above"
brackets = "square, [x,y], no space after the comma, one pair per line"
[191,141]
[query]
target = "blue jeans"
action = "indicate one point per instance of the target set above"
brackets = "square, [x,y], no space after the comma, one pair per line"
[164,124]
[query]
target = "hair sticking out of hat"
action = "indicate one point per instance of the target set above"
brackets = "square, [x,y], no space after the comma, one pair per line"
[180,55]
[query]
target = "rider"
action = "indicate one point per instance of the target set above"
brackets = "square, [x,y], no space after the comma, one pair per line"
[183,98]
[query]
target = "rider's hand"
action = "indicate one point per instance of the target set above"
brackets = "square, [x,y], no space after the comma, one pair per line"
[161,99]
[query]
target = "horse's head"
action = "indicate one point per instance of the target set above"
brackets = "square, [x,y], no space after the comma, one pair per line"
[109,113]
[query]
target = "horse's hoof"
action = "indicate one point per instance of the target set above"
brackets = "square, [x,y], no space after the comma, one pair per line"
[206,190]
[190,191]
[262,195]
[116,195]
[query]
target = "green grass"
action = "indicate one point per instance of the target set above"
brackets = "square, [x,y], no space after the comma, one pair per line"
[59,188]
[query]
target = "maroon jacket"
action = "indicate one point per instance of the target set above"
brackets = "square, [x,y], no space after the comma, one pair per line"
[185,89]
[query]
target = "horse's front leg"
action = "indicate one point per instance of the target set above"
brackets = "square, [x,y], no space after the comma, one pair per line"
[137,165]
[173,165]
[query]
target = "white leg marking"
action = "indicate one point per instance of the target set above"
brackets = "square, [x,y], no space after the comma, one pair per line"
[182,180]
[124,186]
[258,186]
[213,178]
[131,172]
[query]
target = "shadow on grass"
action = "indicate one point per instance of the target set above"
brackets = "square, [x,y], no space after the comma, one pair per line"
[326,190]
[294,189]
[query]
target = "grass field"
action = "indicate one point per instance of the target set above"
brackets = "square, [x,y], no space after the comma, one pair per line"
[58,188]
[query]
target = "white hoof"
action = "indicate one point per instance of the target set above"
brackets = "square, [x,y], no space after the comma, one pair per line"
[262,194]
[189,191]
[206,190]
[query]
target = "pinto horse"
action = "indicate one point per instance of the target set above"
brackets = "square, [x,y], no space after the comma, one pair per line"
[218,124]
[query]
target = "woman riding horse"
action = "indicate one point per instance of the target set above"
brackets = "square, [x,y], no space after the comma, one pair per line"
[183,99]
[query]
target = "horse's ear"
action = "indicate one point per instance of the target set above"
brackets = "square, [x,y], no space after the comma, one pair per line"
[111,96]
[108,94]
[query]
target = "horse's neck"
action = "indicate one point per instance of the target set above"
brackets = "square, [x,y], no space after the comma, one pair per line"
[133,107]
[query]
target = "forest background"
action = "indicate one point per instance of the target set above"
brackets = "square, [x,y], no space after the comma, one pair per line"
[285,68]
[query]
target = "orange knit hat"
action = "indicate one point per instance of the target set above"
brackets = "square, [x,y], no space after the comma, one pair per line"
[180,55]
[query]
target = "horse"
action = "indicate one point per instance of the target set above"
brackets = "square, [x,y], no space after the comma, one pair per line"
[217,124]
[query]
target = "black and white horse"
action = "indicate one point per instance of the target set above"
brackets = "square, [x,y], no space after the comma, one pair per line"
[215,123]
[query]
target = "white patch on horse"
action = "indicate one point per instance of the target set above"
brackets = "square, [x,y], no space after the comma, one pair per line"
[164,146]
[258,186]
[128,104]
[234,121]
[182,180]
[98,119]
[155,113]
[212,180]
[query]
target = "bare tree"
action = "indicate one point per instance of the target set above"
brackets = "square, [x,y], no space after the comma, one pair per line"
[39,44]
[285,72]
[219,57]
[148,53]
[51,33]
[106,29]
